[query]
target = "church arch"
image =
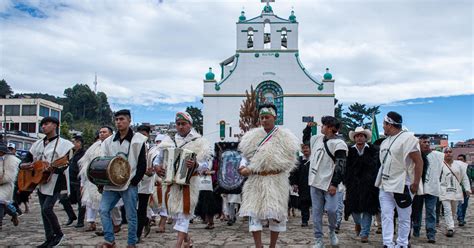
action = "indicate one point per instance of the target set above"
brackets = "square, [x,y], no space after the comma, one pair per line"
[271,92]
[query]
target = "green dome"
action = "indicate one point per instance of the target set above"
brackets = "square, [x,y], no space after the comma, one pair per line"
[327,75]
[267,9]
[292,17]
[210,76]
[242,16]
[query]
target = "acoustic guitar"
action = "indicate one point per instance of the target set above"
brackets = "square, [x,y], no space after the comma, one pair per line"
[37,174]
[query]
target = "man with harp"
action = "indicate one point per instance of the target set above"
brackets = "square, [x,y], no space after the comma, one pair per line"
[50,149]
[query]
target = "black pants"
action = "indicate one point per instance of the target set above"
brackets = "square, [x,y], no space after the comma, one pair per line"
[50,220]
[304,213]
[74,197]
[141,213]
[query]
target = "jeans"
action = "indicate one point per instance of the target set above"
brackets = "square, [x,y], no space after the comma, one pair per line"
[50,220]
[322,200]
[7,209]
[340,208]
[430,214]
[108,202]
[364,220]
[388,205]
[142,212]
[462,207]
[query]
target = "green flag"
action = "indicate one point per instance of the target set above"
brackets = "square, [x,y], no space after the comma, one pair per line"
[375,129]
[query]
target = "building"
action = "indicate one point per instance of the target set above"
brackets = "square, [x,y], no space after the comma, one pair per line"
[438,141]
[25,114]
[267,58]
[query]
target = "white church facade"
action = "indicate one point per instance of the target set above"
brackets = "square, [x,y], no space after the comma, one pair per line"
[267,58]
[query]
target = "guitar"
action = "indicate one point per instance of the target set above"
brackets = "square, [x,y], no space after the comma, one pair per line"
[37,173]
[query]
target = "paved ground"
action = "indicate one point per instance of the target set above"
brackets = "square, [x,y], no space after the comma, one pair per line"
[30,233]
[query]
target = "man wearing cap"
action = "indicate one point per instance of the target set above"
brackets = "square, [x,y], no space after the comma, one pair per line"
[8,173]
[328,162]
[362,197]
[49,149]
[90,194]
[131,146]
[398,178]
[271,154]
[181,200]
[432,166]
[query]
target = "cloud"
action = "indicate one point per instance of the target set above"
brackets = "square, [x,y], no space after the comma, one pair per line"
[147,53]
[451,130]
[405,103]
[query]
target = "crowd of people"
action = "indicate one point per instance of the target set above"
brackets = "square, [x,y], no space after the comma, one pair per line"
[389,182]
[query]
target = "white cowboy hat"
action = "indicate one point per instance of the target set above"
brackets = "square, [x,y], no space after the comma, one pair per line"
[358,130]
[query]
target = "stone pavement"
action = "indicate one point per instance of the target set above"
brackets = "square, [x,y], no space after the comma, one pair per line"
[30,233]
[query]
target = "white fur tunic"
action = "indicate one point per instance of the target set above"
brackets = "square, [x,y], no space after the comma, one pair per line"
[266,197]
[203,151]
[8,174]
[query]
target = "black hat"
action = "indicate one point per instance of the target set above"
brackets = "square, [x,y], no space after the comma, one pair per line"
[49,119]
[123,112]
[3,148]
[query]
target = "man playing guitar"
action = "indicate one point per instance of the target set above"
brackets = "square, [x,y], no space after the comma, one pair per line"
[49,150]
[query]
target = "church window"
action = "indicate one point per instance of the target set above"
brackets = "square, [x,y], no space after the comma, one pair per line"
[284,38]
[271,92]
[250,38]
[267,42]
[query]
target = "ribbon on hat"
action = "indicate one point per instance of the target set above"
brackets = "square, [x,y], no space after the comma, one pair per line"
[267,111]
[184,116]
[391,121]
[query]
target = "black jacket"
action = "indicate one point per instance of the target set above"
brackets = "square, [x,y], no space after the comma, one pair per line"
[74,167]
[361,172]
[299,176]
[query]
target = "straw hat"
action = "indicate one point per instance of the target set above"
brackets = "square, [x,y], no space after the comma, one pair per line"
[358,130]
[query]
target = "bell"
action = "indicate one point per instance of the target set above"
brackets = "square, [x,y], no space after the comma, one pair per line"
[250,42]
[284,41]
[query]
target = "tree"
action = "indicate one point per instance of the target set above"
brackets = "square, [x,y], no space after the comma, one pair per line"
[248,111]
[104,112]
[338,113]
[5,89]
[88,134]
[196,114]
[64,129]
[359,115]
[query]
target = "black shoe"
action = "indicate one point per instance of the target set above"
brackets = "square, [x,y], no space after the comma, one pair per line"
[70,221]
[431,240]
[56,240]
[45,244]
[461,223]
[304,224]
[450,233]
[79,225]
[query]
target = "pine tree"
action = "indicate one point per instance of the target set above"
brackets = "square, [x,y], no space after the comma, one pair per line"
[248,111]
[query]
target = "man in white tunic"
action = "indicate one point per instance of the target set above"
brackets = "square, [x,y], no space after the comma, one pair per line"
[398,178]
[181,200]
[454,184]
[432,165]
[132,146]
[328,162]
[271,154]
[49,149]
[8,173]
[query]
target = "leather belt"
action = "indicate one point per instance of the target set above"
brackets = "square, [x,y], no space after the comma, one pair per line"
[268,173]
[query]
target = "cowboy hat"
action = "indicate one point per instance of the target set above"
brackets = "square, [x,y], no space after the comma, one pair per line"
[367,132]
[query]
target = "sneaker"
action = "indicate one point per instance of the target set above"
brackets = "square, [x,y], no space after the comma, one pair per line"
[462,223]
[450,233]
[56,240]
[333,238]
[431,240]
[318,243]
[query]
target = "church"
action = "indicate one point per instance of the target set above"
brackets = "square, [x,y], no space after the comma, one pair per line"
[268,59]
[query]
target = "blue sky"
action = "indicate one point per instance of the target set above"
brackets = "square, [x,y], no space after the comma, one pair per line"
[415,57]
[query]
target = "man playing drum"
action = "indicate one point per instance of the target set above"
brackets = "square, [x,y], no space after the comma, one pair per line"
[181,200]
[131,146]
[49,149]
[271,152]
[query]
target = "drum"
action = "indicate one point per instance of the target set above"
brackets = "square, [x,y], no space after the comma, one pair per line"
[110,171]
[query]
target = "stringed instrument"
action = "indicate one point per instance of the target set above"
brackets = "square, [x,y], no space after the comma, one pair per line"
[37,174]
